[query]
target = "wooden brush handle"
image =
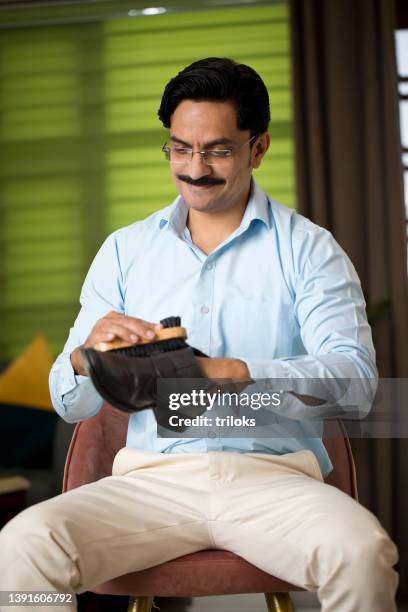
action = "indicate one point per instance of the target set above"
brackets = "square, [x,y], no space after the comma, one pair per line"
[166,333]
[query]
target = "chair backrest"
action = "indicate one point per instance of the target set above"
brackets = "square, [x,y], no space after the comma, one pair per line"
[96,441]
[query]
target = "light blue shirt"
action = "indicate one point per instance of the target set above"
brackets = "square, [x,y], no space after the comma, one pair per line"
[278,293]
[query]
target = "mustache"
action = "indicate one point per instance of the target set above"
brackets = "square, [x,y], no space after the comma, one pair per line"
[205,180]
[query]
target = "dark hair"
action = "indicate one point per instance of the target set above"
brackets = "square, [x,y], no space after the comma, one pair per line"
[216,78]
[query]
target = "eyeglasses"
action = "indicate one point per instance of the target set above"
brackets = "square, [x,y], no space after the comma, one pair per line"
[179,155]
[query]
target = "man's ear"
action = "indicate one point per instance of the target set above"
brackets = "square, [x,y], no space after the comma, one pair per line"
[259,149]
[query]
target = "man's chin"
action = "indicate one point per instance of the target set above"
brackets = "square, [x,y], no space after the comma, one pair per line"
[199,197]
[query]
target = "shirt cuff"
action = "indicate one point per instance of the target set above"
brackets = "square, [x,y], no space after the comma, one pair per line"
[68,380]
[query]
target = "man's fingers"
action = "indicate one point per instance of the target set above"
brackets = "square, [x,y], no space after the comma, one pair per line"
[137,327]
[115,325]
[108,331]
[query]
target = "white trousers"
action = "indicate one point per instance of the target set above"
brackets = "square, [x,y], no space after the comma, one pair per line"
[275,511]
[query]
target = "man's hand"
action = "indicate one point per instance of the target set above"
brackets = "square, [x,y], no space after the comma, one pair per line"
[114,326]
[229,375]
[223,367]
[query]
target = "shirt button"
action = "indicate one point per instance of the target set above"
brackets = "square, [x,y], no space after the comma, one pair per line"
[210,266]
[204,309]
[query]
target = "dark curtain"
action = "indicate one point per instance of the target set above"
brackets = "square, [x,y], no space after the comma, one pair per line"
[349,176]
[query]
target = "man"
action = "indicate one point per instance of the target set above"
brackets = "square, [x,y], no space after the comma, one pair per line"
[267,295]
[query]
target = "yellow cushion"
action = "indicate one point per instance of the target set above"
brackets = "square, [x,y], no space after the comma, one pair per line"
[25,380]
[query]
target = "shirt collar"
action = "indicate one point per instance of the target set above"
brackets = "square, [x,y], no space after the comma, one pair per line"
[174,217]
[257,207]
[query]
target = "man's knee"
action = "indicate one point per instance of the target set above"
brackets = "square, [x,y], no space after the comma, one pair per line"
[32,525]
[371,550]
[364,552]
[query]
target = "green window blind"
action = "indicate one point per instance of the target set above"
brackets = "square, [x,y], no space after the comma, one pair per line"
[80,142]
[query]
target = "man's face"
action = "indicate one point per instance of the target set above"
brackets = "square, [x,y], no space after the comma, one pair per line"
[213,125]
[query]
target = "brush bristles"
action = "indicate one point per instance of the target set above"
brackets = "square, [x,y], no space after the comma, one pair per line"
[154,347]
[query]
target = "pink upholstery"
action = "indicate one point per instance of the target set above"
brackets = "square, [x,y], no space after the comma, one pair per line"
[210,572]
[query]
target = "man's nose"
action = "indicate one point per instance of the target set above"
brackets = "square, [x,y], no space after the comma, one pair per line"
[198,168]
